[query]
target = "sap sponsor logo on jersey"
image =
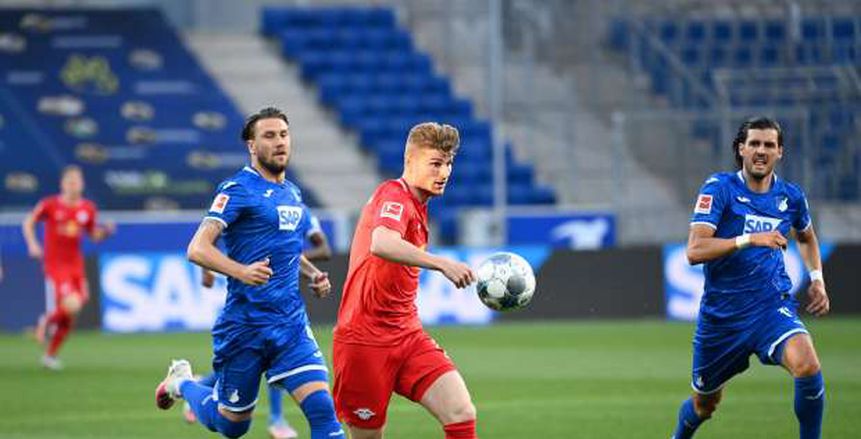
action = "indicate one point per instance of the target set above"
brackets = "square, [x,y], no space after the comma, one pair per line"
[683,283]
[289,217]
[439,302]
[156,292]
[756,223]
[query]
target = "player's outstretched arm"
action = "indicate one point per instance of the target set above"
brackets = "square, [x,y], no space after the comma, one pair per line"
[28,227]
[320,250]
[203,251]
[320,283]
[808,247]
[389,245]
[704,247]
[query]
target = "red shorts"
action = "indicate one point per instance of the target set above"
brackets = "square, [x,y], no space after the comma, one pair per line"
[366,376]
[58,287]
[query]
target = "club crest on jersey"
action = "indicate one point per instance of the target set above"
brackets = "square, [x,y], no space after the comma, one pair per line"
[82,216]
[219,203]
[289,217]
[783,204]
[392,210]
[756,223]
[704,204]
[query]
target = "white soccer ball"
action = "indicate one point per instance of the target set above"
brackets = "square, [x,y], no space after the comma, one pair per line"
[505,281]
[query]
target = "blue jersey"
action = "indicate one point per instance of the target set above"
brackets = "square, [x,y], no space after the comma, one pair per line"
[262,220]
[739,286]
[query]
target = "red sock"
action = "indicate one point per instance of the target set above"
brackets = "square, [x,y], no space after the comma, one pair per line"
[63,326]
[460,430]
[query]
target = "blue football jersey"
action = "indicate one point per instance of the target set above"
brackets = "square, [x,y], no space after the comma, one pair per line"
[262,220]
[738,285]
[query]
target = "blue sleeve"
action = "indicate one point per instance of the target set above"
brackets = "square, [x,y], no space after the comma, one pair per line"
[802,219]
[710,203]
[228,204]
[313,224]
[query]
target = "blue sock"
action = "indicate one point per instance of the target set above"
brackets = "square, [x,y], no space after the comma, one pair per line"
[276,413]
[208,381]
[200,399]
[688,422]
[320,412]
[809,405]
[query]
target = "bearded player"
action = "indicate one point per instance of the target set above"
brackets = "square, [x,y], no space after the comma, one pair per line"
[380,346]
[67,217]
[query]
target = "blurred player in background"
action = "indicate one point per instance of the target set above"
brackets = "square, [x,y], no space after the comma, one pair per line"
[264,326]
[316,249]
[67,217]
[380,346]
[739,229]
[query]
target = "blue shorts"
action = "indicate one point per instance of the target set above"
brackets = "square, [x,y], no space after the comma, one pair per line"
[288,354]
[721,354]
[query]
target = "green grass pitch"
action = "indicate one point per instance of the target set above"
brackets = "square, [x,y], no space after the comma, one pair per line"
[587,379]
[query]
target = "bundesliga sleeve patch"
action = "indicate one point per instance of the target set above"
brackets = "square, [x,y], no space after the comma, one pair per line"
[704,204]
[219,203]
[392,210]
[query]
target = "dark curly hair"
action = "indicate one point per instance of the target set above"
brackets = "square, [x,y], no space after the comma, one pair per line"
[755,123]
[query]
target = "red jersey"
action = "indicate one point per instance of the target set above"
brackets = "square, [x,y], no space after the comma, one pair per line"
[378,304]
[64,225]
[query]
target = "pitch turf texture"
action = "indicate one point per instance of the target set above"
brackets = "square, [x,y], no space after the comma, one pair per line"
[617,379]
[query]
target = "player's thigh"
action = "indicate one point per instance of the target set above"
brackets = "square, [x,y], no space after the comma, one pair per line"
[364,381]
[718,355]
[799,356]
[429,377]
[297,364]
[361,433]
[781,330]
[238,381]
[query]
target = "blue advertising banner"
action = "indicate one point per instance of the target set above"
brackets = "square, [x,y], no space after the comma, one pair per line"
[162,292]
[683,283]
[574,230]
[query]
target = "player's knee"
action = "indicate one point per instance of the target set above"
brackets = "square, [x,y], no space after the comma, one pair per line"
[806,368]
[464,411]
[231,427]
[705,406]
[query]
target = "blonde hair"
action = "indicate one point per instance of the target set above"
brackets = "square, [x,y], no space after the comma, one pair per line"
[442,137]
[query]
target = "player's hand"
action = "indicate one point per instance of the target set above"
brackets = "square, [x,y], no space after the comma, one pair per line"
[256,274]
[819,304]
[457,272]
[320,284]
[207,279]
[773,240]
[109,228]
[35,251]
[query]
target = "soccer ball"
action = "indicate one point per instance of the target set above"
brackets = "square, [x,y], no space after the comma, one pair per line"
[505,282]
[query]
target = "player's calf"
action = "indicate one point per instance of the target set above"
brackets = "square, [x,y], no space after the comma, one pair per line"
[706,405]
[319,409]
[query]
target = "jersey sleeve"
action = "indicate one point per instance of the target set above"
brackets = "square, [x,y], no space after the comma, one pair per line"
[228,204]
[802,220]
[313,223]
[709,205]
[42,210]
[90,226]
[392,210]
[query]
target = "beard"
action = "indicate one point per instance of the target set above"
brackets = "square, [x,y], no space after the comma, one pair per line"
[272,166]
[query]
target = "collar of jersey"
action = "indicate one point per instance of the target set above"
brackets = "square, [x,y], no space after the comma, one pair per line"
[412,196]
[247,168]
[771,188]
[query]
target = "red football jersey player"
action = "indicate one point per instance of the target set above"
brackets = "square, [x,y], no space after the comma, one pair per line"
[67,217]
[379,345]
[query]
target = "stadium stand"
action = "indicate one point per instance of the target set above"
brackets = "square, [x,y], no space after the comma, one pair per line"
[808,63]
[379,84]
[116,91]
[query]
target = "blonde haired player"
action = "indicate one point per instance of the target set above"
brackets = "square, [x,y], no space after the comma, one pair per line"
[380,346]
